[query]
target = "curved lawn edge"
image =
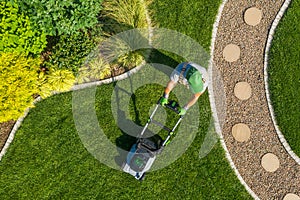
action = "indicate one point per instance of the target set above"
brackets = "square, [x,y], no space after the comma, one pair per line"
[14,130]
[266,78]
[213,104]
[109,80]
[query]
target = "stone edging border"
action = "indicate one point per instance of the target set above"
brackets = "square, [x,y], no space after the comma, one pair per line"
[109,80]
[266,77]
[81,86]
[14,130]
[213,105]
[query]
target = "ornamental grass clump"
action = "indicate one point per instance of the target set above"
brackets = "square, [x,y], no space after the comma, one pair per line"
[124,15]
[55,80]
[96,69]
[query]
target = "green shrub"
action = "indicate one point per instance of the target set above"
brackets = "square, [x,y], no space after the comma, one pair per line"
[55,80]
[58,17]
[70,51]
[18,84]
[17,33]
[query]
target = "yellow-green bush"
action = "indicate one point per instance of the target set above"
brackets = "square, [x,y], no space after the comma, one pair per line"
[55,80]
[18,84]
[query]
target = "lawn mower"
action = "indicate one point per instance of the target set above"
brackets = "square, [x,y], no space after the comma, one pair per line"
[143,153]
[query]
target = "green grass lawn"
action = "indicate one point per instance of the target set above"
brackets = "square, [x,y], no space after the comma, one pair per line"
[47,159]
[190,17]
[284,75]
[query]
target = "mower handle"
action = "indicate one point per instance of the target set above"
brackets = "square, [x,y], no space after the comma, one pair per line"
[173,108]
[172,105]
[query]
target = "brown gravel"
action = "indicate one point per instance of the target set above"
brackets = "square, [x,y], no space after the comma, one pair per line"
[254,112]
[5,129]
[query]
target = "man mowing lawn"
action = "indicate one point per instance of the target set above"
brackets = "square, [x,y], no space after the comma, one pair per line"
[191,75]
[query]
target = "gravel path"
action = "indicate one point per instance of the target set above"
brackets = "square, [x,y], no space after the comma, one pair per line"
[265,182]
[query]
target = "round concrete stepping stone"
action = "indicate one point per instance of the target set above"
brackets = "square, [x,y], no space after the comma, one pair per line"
[231,53]
[291,196]
[242,90]
[270,162]
[253,16]
[241,132]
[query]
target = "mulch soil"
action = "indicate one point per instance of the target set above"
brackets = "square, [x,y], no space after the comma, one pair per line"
[5,129]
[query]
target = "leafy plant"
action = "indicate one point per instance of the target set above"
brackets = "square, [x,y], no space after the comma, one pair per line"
[96,69]
[17,33]
[55,80]
[18,84]
[70,50]
[57,17]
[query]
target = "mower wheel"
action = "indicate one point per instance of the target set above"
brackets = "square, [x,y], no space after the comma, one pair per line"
[142,177]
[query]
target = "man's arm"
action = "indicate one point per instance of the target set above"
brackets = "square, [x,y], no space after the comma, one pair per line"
[164,100]
[192,101]
[171,84]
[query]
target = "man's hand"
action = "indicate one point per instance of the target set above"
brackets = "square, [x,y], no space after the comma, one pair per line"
[163,101]
[182,111]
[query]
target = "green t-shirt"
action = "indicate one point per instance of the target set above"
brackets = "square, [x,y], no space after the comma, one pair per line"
[194,78]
